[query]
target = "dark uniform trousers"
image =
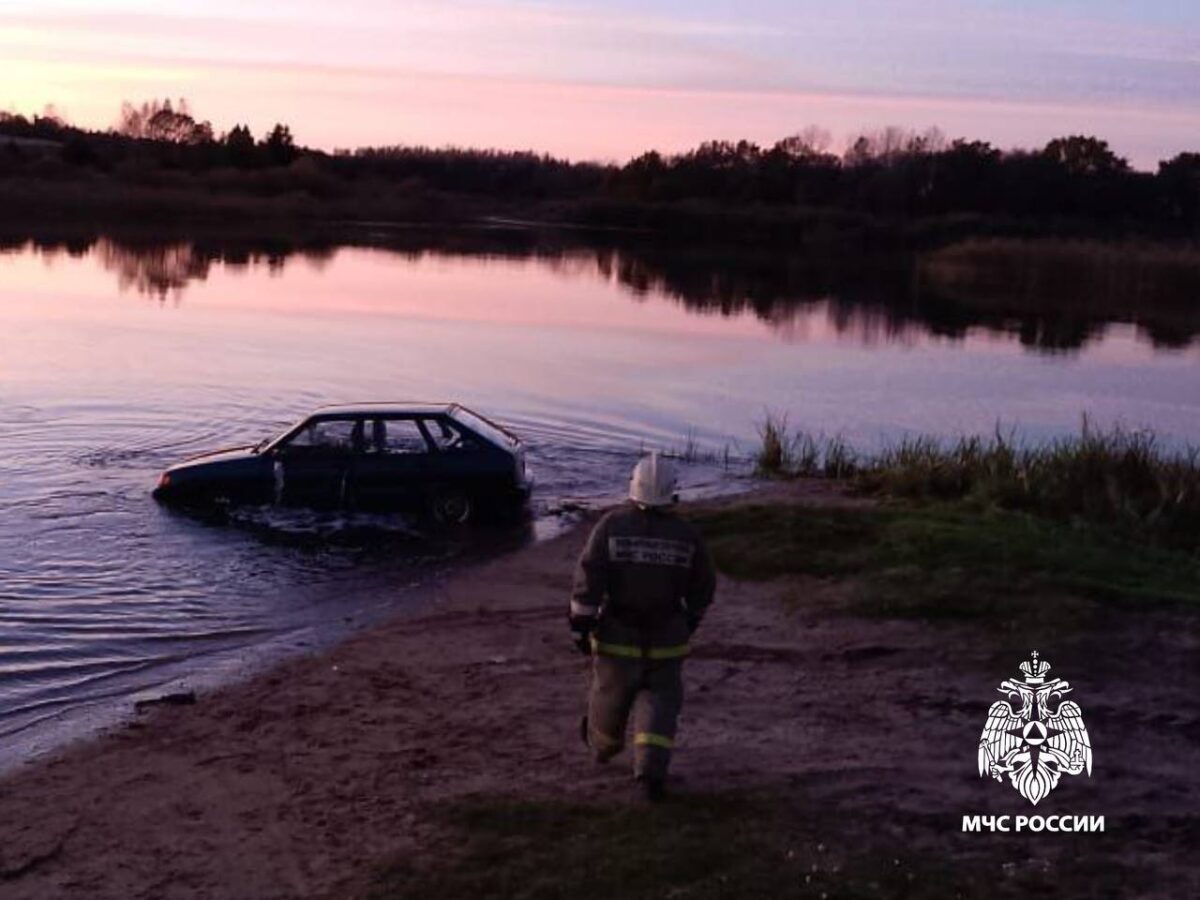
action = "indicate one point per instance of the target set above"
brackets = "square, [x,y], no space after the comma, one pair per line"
[652,689]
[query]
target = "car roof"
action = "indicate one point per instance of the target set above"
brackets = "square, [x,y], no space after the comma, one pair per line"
[475,422]
[420,408]
[400,408]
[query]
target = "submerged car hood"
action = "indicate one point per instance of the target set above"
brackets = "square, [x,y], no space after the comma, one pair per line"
[230,454]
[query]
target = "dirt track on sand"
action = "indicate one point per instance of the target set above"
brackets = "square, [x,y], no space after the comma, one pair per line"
[301,782]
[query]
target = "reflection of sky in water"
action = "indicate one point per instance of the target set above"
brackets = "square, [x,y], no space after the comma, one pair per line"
[561,345]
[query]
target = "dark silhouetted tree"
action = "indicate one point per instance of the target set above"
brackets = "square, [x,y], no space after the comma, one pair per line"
[811,143]
[1081,155]
[1074,184]
[240,149]
[965,178]
[1179,181]
[279,145]
[157,120]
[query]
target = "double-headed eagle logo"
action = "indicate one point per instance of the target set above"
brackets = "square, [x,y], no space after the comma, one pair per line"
[1034,735]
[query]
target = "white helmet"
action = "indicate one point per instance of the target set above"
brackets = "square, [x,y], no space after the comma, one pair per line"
[653,482]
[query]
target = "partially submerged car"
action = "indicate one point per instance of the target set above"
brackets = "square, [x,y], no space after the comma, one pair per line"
[442,460]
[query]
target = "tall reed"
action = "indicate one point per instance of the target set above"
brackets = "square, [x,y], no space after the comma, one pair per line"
[1120,478]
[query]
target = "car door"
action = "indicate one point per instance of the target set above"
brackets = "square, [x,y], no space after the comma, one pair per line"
[311,469]
[462,460]
[391,466]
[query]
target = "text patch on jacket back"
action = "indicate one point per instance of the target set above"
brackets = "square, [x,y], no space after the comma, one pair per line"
[650,551]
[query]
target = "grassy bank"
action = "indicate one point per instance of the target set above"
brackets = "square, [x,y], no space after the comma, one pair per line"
[948,560]
[1122,481]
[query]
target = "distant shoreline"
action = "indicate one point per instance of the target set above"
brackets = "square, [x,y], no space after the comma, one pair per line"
[104,203]
[890,188]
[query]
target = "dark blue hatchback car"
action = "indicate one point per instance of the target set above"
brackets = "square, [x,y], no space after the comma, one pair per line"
[442,460]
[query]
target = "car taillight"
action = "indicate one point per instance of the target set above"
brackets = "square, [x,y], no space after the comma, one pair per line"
[164,480]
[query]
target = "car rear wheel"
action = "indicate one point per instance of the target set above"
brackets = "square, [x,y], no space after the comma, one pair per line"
[451,508]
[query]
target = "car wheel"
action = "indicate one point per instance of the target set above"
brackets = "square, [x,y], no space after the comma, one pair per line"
[452,508]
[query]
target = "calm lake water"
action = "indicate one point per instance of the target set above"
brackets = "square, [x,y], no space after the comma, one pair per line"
[117,358]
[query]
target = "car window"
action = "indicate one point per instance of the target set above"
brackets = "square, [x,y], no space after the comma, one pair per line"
[483,427]
[402,436]
[374,436]
[448,437]
[328,434]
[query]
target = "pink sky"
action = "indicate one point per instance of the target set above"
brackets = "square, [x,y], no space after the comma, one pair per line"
[606,81]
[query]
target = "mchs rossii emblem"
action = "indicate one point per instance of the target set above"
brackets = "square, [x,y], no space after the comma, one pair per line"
[1034,736]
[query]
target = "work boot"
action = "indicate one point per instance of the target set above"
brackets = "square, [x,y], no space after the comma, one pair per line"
[651,789]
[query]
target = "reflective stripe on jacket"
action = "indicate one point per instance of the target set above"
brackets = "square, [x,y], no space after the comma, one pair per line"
[643,582]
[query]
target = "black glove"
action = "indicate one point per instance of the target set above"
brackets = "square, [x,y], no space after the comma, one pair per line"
[583,642]
[581,632]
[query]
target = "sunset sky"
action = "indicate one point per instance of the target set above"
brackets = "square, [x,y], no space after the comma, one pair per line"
[606,80]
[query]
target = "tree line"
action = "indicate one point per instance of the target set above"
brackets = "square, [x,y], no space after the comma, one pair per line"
[156,132]
[892,174]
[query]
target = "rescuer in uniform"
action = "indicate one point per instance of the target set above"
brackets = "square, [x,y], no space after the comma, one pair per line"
[643,583]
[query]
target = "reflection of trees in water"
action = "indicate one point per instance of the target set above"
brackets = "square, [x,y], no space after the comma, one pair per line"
[155,271]
[1063,293]
[892,299]
[870,300]
[786,292]
[161,268]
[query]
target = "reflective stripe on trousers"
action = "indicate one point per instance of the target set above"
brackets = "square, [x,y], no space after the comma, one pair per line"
[629,651]
[644,738]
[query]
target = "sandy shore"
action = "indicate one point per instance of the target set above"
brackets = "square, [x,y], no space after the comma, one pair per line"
[302,782]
